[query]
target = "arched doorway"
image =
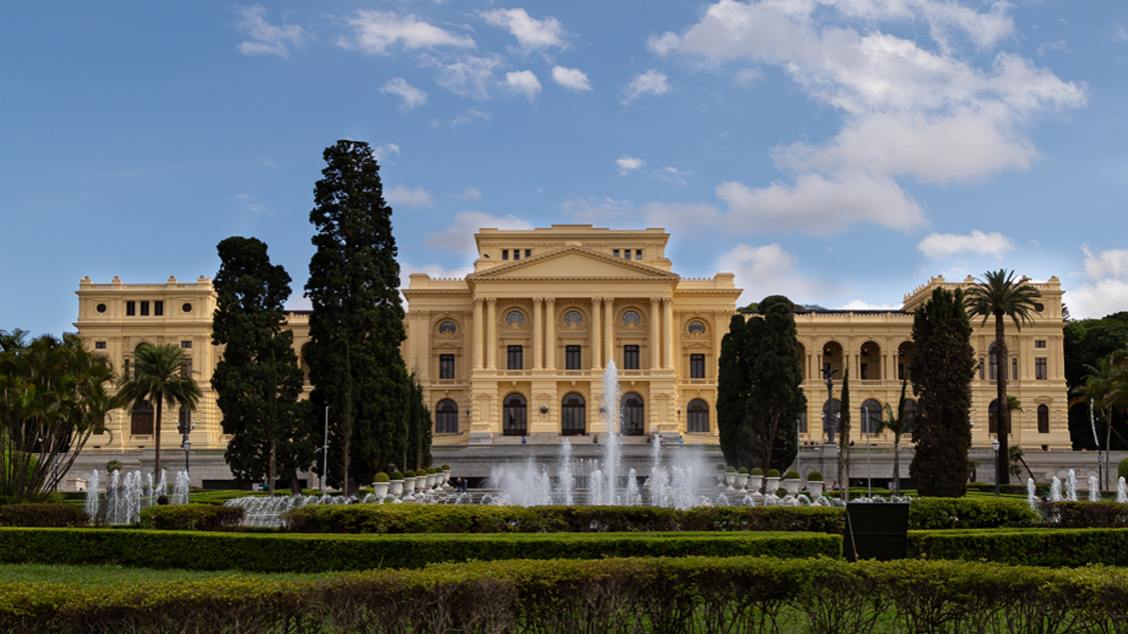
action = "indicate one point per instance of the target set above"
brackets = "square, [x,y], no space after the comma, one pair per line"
[515,416]
[869,365]
[697,416]
[141,419]
[870,417]
[574,422]
[993,416]
[446,417]
[633,422]
[832,356]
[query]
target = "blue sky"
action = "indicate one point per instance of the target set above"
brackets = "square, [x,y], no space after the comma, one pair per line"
[838,151]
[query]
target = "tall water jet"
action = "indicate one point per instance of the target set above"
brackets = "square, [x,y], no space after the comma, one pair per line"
[567,480]
[180,488]
[1071,486]
[632,495]
[1031,494]
[1094,489]
[1055,489]
[92,496]
[1121,491]
[612,419]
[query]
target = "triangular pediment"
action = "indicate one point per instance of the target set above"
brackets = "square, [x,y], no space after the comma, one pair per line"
[574,263]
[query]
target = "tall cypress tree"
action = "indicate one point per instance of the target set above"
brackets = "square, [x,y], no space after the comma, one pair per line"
[943,365]
[258,381]
[418,429]
[844,437]
[732,395]
[356,327]
[776,373]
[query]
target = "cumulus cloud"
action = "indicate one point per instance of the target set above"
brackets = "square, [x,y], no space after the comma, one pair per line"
[470,76]
[1109,263]
[652,82]
[909,110]
[628,164]
[409,197]
[942,245]
[766,270]
[459,234]
[385,152]
[859,304]
[379,32]
[470,193]
[1105,289]
[523,82]
[530,32]
[264,38]
[410,96]
[571,78]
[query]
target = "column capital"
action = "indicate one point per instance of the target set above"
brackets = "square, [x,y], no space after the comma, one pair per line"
[607,300]
[655,300]
[479,300]
[492,300]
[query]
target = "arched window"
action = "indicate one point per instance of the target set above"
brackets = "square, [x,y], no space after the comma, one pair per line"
[833,357]
[515,318]
[575,415]
[631,319]
[993,365]
[869,364]
[573,318]
[632,423]
[697,416]
[447,327]
[446,417]
[1043,419]
[696,327]
[993,413]
[904,360]
[871,417]
[515,416]
[141,419]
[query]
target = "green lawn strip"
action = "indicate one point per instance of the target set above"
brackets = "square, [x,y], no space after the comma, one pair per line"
[257,552]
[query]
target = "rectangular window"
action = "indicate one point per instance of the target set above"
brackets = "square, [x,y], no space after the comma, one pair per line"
[186,344]
[99,345]
[144,308]
[158,308]
[630,357]
[1040,371]
[638,254]
[505,254]
[130,308]
[572,358]
[446,366]
[528,253]
[515,357]
[186,368]
[1014,368]
[696,366]
[615,252]
[1039,343]
[516,254]
[981,369]
[627,254]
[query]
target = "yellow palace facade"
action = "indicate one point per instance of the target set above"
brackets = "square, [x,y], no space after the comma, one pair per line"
[516,351]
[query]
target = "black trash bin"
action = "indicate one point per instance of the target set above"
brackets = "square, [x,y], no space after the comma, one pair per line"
[876,530]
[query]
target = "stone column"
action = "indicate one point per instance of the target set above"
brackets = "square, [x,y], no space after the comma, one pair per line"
[596,358]
[491,333]
[609,328]
[550,333]
[479,333]
[668,323]
[654,349]
[538,333]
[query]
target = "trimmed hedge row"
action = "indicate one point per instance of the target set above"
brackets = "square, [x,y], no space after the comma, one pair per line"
[1036,547]
[1103,514]
[186,517]
[42,514]
[271,552]
[932,513]
[410,518]
[616,595]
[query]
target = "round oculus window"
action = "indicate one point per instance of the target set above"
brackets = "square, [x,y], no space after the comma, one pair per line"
[573,318]
[696,327]
[631,318]
[186,307]
[100,308]
[514,318]
[448,327]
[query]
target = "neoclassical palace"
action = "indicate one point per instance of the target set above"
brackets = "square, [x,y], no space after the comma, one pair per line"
[517,350]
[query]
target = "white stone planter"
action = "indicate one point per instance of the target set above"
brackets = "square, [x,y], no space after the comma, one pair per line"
[792,485]
[815,487]
[380,489]
[755,482]
[741,480]
[730,478]
[395,488]
[771,484]
[409,485]
[433,480]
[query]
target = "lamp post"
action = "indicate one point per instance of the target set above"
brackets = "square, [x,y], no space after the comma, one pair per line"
[995,448]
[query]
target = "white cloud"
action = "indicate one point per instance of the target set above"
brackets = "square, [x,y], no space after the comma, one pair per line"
[264,38]
[468,76]
[1108,263]
[385,152]
[459,234]
[470,193]
[1057,45]
[628,164]
[254,205]
[766,270]
[409,197]
[858,304]
[747,76]
[652,82]
[571,78]
[1106,289]
[943,245]
[530,32]
[1120,32]
[410,96]
[380,31]
[523,82]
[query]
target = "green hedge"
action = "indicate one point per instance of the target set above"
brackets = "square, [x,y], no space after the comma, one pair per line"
[1105,514]
[930,513]
[617,595]
[411,518]
[1036,546]
[42,514]
[204,517]
[272,552]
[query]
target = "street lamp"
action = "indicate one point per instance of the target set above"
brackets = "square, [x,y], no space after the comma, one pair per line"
[995,448]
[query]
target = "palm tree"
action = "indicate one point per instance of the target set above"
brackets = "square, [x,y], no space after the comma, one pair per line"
[159,376]
[1106,389]
[998,294]
[899,423]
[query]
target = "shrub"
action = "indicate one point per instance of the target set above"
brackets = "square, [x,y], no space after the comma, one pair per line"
[409,474]
[773,473]
[445,467]
[932,512]
[381,477]
[739,594]
[273,552]
[742,470]
[113,465]
[396,475]
[1036,547]
[1122,468]
[42,514]
[814,476]
[791,475]
[187,517]
[1105,514]
[457,518]
[730,469]
[757,471]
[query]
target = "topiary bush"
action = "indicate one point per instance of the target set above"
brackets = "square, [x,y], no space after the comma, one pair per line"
[42,514]
[935,512]
[186,517]
[814,476]
[791,475]
[381,477]
[773,473]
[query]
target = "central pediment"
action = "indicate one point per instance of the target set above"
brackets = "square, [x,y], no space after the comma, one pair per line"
[573,263]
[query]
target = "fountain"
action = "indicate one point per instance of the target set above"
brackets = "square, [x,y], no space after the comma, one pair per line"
[126,495]
[1031,494]
[180,488]
[1121,491]
[1071,486]
[92,500]
[1055,489]
[1094,489]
